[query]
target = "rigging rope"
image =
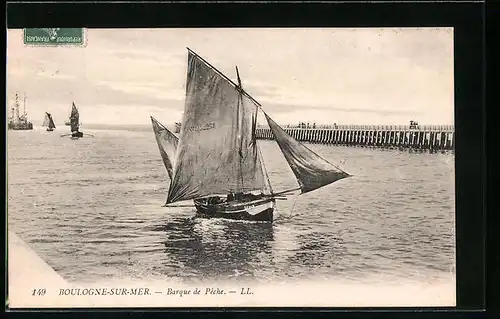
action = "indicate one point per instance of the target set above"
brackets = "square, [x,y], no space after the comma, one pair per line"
[290,215]
[293,206]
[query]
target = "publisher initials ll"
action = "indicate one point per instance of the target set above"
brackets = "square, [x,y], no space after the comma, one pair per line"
[246,291]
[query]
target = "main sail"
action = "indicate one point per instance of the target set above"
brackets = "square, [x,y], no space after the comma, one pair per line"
[311,170]
[216,153]
[167,144]
[74,119]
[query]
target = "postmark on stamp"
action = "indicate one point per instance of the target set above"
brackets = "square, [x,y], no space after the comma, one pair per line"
[54,36]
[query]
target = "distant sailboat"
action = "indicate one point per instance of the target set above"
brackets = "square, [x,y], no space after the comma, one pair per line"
[218,163]
[75,123]
[49,122]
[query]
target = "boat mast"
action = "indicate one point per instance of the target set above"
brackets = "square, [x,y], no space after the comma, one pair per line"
[239,119]
[16,108]
[24,101]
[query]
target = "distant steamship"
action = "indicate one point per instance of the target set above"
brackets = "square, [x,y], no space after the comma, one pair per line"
[19,121]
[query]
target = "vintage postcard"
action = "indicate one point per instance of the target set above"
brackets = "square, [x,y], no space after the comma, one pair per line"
[230,167]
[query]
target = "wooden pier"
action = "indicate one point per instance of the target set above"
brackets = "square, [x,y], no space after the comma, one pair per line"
[419,137]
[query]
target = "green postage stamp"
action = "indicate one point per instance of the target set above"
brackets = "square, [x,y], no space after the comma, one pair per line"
[54,36]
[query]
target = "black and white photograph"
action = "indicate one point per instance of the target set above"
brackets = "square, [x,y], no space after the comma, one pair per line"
[231,167]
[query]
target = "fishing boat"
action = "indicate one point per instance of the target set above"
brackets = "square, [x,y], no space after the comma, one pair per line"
[49,122]
[75,124]
[217,162]
[17,121]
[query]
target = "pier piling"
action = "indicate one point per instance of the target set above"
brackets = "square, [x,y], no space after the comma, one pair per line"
[421,137]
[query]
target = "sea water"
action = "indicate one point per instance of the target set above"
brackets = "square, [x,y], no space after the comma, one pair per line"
[92,209]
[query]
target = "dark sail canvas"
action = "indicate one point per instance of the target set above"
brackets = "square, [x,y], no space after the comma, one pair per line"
[214,155]
[74,124]
[311,170]
[74,121]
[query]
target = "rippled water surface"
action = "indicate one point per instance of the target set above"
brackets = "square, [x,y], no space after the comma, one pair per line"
[92,209]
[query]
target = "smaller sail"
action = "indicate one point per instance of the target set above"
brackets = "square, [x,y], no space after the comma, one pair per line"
[46,121]
[167,144]
[311,170]
[51,124]
[74,119]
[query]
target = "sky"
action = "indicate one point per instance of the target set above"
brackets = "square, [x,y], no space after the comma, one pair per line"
[323,76]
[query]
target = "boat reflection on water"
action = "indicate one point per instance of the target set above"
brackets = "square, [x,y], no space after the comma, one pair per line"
[216,249]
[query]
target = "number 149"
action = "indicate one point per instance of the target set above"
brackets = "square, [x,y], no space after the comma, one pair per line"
[38,292]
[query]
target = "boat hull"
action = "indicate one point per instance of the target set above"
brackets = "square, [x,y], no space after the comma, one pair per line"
[20,127]
[257,210]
